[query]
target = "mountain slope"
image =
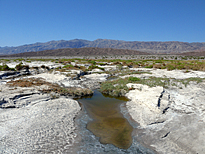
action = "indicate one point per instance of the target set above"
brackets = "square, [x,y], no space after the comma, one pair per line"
[45,46]
[88,51]
[197,53]
[152,47]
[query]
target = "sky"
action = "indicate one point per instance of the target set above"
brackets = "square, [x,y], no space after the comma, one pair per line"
[30,21]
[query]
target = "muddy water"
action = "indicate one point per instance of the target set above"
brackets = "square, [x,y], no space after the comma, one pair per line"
[108,122]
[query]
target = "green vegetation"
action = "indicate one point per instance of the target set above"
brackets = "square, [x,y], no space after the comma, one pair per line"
[92,62]
[159,63]
[186,81]
[150,61]
[90,68]
[133,79]
[118,87]
[174,64]
[5,67]
[69,66]
[20,67]
[102,64]
[122,64]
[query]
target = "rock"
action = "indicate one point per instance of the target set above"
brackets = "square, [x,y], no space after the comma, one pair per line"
[76,72]
[13,74]
[177,74]
[72,83]
[108,67]
[99,77]
[17,97]
[145,100]
[43,127]
[6,74]
[33,122]
[96,70]
[53,78]
[73,63]
[171,120]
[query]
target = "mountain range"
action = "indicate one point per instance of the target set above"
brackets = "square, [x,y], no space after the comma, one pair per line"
[87,51]
[152,47]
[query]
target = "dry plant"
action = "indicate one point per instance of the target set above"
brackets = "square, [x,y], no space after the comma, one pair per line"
[27,82]
[72,91]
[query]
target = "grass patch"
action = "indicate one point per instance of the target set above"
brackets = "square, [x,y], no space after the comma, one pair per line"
[184,64]
[185,82]
[175,64]
[118,87]
[133,79]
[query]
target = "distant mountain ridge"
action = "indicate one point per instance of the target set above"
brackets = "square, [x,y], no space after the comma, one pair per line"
[87,51]
[151,47]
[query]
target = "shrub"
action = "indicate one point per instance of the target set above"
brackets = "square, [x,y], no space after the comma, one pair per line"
[170,67]
[102,64]
[5,67]
[68,66]
[92,62]
[20,67]
[133,79]
[90,68]
[119,66]
[29,82]
[149,66]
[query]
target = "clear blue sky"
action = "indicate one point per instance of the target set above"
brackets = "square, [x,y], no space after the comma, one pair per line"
[29,21]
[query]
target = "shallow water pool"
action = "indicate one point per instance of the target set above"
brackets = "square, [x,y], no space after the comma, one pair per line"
[108,122]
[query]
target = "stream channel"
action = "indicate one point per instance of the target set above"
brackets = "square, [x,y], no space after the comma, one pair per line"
[102,127]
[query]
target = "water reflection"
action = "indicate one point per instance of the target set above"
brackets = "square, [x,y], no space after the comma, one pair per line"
[108,122]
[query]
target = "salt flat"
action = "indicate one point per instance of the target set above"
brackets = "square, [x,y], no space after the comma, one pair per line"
[169,120]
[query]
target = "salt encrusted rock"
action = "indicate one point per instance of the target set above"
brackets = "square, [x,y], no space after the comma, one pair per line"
[144,99]
[43,127]
[100,77]
[177,74]
[172,119]
[108,67]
